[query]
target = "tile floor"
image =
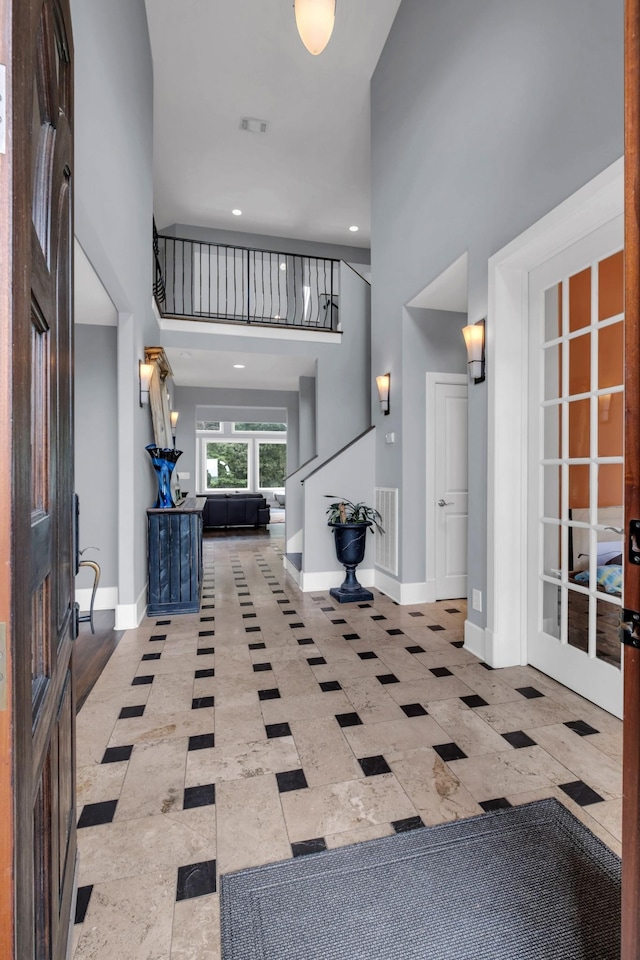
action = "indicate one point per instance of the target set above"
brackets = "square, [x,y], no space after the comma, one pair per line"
[275,724]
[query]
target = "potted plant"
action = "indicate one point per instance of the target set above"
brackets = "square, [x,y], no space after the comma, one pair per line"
[350,522]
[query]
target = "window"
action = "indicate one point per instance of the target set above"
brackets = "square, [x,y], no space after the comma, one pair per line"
[272,464]
[212,426]
[259,427]
[226,465]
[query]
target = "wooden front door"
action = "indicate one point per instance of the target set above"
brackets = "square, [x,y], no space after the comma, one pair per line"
[37,836]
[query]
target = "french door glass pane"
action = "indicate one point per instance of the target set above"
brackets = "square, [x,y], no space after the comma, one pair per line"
[580,300]
[551,609]
[227,465]
[553,432]
[580,364]
[579,432]
[611,286]
[611,425]
[607,622]
[578,620]
[610,356]
[551,492]
[553,372]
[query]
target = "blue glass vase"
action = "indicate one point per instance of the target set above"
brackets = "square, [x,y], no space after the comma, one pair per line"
[164,460]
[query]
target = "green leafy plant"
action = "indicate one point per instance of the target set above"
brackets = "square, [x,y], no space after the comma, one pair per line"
[344,511]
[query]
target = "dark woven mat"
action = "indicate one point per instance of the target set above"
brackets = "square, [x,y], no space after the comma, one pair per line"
[522,883]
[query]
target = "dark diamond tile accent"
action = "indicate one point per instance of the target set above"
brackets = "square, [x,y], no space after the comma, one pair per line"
[291,780]
[202,741]
[244,593]
[162,623]
[458,644]
[450,751]
[155,637]
[305,641]
[141,681]
[364,606]
[319,599]
[580,727]
[348,719]
[249,616]
[327,686]
[368,655]
[474,701]
[409,823]
[196,880]
[128,712]
[247,603]
[207,619]
[289,613]
[316,661]
[202,674]
[257,646]
[277,591]
[395,632]
[339,620]
[415,649]
[579,791]
[529,692]
[519,739]
[435,626]
[441,672]
[272,694]
[93,814]
[277,730]
[351,636]
[377,616]
[116,754]
[303,847]
[498,804]
[327,609]
[151,656]
[286,600]
[198,703]
[206,633]
[252,629]
[297,625]
[451,610]
[414,710]
[388,678]
[201,796]
[205,651]
[374,766]
[261,667]
[82,902]
[486,666]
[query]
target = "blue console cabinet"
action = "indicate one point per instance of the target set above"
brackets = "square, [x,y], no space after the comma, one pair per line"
[175,558]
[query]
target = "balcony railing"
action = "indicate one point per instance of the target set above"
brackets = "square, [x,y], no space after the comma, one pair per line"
[209,281]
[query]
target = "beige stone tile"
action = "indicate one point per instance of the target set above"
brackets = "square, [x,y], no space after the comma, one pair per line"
[464,727]
[609,743]
[577,754]
[343,670]
[167,726]
[99,782]
[258,835]
[325,755]
[394,738]
[447,658]
[433,788]
[305,708]
[155,780]
[371,831]
[524,714]
[402,664]
[583,814]
[609,814]
[129,918]
[502,774]
[239,722]
[241,761]
[336,807]
[486,683]
[371,701]
[196,929]
[295,679]
[428,689]
[134,848]
[170,694]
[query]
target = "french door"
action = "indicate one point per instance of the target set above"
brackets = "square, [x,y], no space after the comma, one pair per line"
[576,470]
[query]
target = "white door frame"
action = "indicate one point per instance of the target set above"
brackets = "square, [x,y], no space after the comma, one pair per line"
[430,473]
[505,642]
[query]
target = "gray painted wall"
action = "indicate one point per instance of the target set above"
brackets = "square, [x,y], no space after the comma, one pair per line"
[307,418]
[96,439]
[113,218]
[485,116]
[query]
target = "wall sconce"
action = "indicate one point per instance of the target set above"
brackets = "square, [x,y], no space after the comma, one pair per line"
[145,373]
[314,20]
[474,339]
[384,382]
[174,419]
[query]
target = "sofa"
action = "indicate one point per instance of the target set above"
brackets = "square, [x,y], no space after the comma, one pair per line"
[235,510]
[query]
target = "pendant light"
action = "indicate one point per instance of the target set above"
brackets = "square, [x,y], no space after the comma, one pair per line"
[315,19]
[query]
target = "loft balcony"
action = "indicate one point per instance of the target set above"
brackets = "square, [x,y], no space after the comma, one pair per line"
[220,283]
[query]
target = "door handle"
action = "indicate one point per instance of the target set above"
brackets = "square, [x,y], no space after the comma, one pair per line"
[445,503]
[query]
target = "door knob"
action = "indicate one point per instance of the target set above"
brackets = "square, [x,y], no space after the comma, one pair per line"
[445,503]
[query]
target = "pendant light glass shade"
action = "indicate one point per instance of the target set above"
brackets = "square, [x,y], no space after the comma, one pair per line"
[315,19]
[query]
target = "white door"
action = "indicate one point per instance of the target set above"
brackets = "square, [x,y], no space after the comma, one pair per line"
[576,472]
[449,505]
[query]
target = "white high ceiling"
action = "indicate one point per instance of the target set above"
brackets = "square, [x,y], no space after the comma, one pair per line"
[215,62]
[215,368]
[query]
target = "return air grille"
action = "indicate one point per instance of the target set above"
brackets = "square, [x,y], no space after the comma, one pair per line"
[386,503]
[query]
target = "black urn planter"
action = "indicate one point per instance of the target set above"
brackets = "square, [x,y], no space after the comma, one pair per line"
[351,540]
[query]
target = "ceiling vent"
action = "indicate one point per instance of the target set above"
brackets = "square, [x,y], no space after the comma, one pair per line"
[252,125]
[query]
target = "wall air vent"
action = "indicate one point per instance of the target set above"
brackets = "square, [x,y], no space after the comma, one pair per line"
[386,503]
[252,125]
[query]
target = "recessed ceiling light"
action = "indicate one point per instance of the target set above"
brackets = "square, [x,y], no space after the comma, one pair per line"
[238,366]
[236,212]
[283,266]
[354,229]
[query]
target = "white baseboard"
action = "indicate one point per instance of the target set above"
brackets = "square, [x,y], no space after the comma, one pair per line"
[402,593]
[292,570]
[325,579]
[430,591]
[474,639]
[295,543]
[106,598]
[130,615]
